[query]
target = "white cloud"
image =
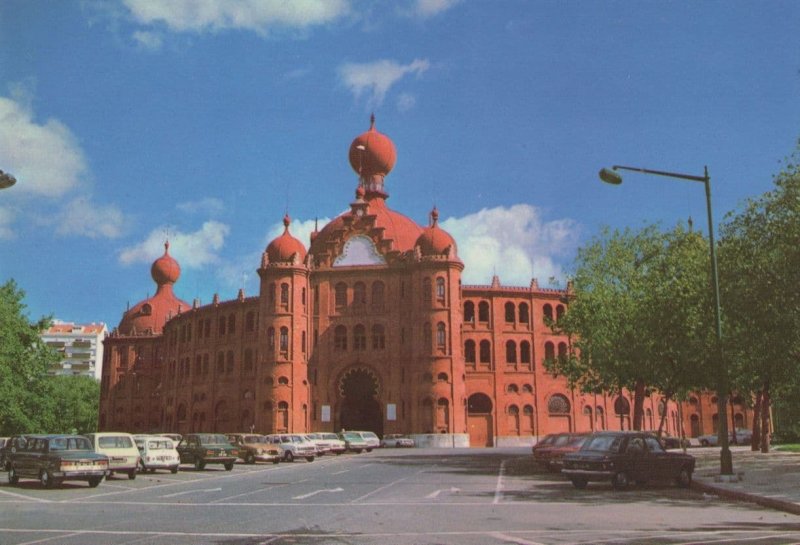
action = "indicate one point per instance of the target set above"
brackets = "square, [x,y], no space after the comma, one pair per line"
[405,102]
[6,219]
[150,41]
[207,205]
[45,158]
[376,78]
[255,15]
[514,243]
[82,217]
[191,250]
[430,8]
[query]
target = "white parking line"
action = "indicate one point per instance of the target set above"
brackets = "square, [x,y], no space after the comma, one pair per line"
[23,496]
[259,491]
[513,539]
[384,487]
[498,490]
[45,540]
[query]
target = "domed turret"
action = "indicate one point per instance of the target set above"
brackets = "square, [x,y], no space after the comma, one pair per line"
[372,155]
[285,247]
[435,240]
[150,315]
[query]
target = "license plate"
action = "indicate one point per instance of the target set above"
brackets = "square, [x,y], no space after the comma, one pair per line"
[116,459]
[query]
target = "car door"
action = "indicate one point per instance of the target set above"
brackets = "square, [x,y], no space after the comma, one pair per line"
[636,456]
[658,460]
[185,451]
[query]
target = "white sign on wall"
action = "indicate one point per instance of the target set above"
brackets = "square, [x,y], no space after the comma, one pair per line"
[391,411]
[326,413]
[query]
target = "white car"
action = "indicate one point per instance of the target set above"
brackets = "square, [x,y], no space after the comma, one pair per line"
[294,446]
[157,452]
[328,442]
[397,440]
[123,456]
[370,439]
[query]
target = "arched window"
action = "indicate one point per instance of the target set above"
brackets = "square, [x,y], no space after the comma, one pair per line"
[272,295]
[510,312]
[303,342]
[486,352]
[285,295]
[340,298]
[440,293]
[511,352]
[558,404]
[512,389]
[622,406]
[250,321]
[378,290]
[547,312]
[469,351]
[527,389]
[359,294]
[231,324]
[562,352]
[283,381]
[483,311]
[248,360]
[340,338]
[599,418]
[359,337]
[525,352]
[283,416]
[271,338]
[378,337]
[549,351]
[559,312]
[524,315]
[220,363]
[221,325]
[284,340]
[442,415]
[441,336]
[442,377]
[426,290]
[469,312]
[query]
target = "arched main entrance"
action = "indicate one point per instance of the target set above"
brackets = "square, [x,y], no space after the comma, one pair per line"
[479,420]
[360,409]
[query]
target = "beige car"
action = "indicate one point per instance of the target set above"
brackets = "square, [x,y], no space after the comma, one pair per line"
[255,448]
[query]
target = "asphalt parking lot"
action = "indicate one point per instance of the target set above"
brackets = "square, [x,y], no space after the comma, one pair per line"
[388,496]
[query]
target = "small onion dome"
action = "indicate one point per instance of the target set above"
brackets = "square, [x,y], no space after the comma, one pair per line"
[165,269]
[434,240]
[372,153]
[284,247]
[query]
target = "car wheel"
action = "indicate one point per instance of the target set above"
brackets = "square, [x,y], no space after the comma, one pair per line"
[229,466]
[309,458]
[94,482]
[369,450]
[580,484]
[174,470]
[142,467]
[13,478]
[620,481]
[199,465]
[289,457]
[132,474]
[684,478]
[46,479]
[276,461]
[704,442]
[250,458]
[357,450]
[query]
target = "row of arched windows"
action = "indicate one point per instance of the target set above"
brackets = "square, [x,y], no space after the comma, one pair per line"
[225,365]
[513,313]
[280,296]
[359,339]
[485,352]
[226,325]
[550,351]
[428,293]
[359,294]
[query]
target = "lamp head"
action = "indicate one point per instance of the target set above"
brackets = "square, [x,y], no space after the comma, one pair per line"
[610,176]
[6,180]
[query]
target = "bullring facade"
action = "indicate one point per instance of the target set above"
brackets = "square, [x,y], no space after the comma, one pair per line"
[369,327]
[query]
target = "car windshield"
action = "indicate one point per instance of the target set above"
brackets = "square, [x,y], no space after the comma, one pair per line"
[576,441]
[369,435]
[298,439]
[329,436]
[159,444]
[561,440]
[212,439]
[115,441]
[352,436]
[70,443]
[253,439]
[548,440]
[603,443]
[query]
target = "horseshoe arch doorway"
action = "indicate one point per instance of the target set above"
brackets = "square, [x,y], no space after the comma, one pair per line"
[360,408]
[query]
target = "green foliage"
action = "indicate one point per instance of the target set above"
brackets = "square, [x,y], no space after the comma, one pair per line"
[30,400]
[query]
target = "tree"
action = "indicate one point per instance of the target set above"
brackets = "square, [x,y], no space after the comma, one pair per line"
[76,402]
[24,360]
[760,275]
[641,315]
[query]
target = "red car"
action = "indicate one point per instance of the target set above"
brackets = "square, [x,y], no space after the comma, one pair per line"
[549,451]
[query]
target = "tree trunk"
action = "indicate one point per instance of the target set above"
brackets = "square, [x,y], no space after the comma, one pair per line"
[755,442]
[638,405]
[735,440]
[663,417]
[765,402]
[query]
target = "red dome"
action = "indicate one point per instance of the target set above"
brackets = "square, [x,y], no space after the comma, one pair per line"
[165,269]
[150,315]
[284,247]
[435,240]
[372,153]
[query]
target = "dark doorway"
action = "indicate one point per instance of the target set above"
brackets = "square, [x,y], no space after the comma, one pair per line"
[360,408]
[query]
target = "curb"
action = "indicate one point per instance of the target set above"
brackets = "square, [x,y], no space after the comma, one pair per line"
[773,503]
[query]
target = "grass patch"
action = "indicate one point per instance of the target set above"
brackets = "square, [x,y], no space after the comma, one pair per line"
[788,447]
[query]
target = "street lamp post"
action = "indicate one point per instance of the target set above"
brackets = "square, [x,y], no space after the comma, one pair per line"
[612,177]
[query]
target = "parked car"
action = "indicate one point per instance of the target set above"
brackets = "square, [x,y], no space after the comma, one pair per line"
[743,437]
[353,441]
[553,458]
[157,452]
[625,457]
[541,450]
[53,459]
[397,440]
[370,439]
[294,446]
[202,449]
[330,442]
[123,456]
[176,437]
[255,448]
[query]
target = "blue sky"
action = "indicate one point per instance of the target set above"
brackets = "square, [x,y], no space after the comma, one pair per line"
[128,121]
